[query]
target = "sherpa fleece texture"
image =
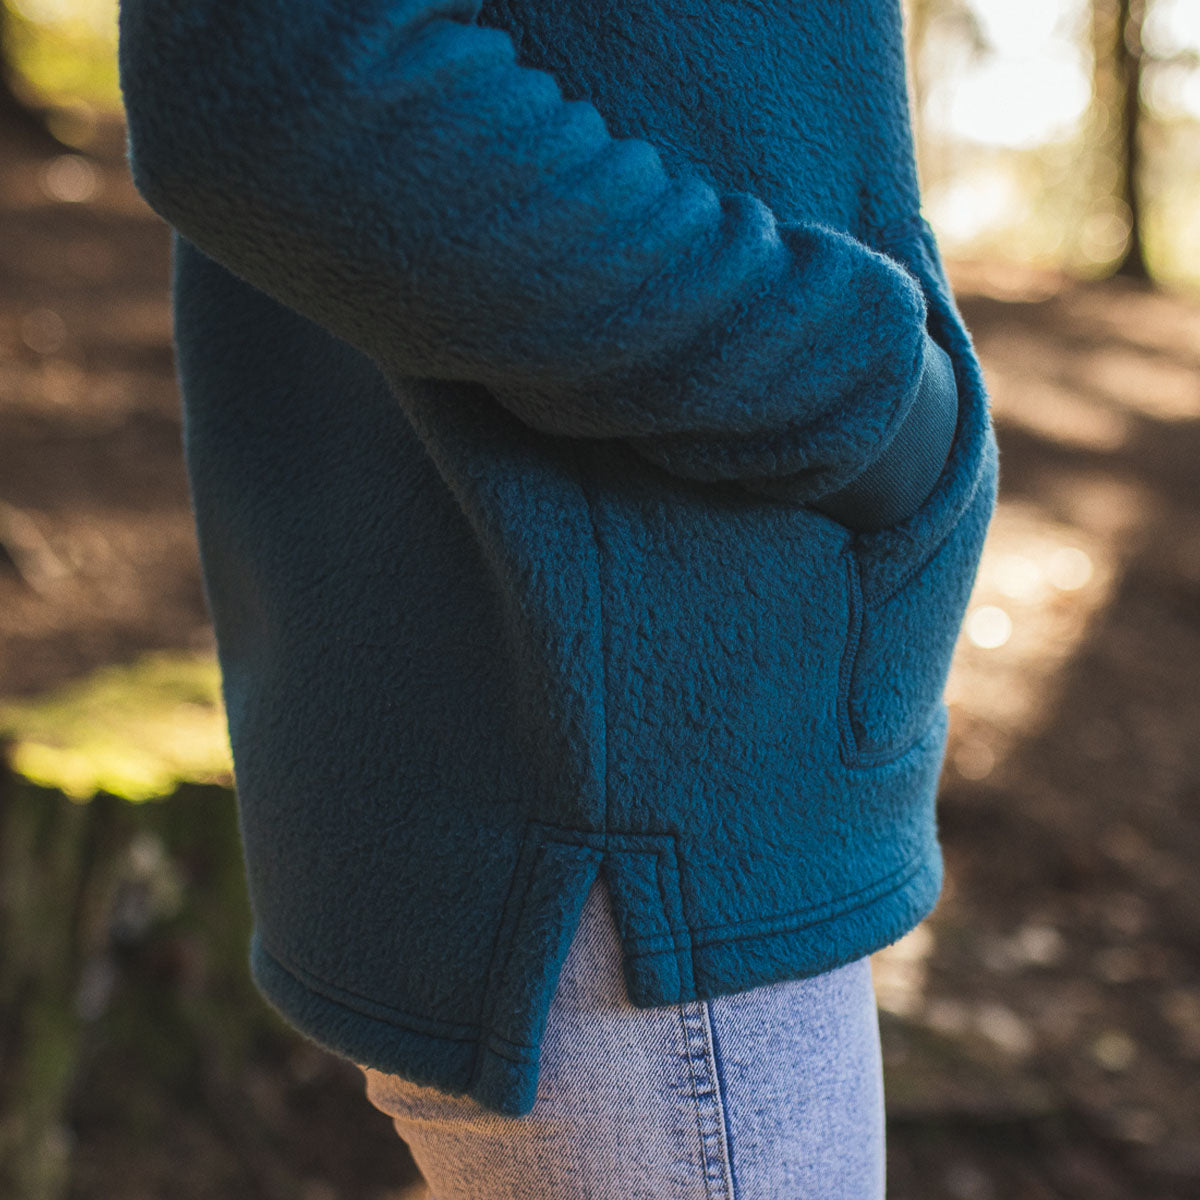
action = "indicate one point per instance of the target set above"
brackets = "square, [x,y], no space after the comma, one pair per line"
[590,468]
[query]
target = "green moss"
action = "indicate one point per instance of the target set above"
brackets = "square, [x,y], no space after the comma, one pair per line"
[135,730]
[65,50]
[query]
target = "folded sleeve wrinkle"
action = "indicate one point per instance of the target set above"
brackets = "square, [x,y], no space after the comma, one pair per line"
[390,170]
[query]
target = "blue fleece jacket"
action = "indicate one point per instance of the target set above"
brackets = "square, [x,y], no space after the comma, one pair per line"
[590,468]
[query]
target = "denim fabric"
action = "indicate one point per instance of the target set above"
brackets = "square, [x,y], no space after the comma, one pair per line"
[774,1093]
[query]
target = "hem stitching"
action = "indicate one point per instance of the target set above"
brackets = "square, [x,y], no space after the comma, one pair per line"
[907,872]
[458,1032]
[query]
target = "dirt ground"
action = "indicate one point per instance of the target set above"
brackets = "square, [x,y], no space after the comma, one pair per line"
[1042,1028]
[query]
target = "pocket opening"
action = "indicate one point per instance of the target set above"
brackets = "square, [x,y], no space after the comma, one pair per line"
[909,584]
[897,483]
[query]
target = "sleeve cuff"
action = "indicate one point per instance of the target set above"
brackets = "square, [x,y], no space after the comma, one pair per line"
[896,483]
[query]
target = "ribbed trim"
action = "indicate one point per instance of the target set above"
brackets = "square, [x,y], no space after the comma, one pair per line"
[897,483]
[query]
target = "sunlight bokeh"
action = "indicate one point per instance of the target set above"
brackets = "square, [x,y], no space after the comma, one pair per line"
[1032,84]
[1012,138]
[66,49]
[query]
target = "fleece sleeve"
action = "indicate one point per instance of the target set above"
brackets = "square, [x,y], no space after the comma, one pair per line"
[388,169]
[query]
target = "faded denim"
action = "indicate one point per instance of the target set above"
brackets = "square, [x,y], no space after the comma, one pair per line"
[774,1093]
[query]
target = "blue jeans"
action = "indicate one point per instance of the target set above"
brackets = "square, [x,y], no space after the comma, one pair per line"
[775,1093]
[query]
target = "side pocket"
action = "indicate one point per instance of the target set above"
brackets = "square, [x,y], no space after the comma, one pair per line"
[908,588]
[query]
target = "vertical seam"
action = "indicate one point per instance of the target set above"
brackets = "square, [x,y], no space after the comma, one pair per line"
[584,491]
[721,1160]
[687,1054]
[722,1096]
[659,860]
[848,743]
[687,929]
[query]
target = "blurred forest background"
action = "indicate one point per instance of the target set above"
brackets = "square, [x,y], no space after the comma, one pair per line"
[1041,1029]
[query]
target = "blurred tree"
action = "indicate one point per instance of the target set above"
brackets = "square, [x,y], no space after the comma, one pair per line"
[917,15]
[12,107]
[1120,61]
[17,114]
[960,19]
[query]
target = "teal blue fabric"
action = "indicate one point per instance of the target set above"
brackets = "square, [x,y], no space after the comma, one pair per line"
[579,486]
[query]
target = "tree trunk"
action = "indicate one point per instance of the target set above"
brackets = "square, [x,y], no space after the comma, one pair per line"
[60,863]
[1117,30]
[17,116]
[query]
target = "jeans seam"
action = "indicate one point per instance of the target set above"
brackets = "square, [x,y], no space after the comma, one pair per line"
[723,1097]
[708,1104]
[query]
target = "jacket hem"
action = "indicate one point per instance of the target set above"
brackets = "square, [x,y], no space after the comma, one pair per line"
[501,1074]
[755,957]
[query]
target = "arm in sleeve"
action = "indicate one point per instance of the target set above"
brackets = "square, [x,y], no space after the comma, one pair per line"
[389,170]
